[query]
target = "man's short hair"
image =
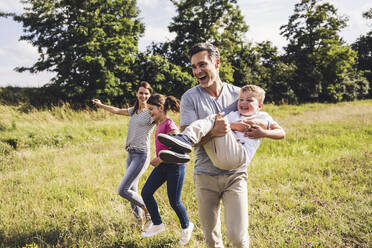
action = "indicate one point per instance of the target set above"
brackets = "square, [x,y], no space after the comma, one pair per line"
[213,53]
[258,92]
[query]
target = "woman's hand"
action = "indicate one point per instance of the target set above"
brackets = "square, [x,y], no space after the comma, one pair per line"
[96,102]
[156,161]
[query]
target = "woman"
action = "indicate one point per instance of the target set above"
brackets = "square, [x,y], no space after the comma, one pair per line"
[137,146]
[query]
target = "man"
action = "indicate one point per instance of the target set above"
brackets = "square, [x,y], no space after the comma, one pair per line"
[212,185]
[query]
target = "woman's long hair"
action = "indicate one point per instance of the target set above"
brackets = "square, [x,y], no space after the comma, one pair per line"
[145,85]
[169,102]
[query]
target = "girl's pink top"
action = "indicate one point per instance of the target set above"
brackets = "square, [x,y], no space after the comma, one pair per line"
[164,127]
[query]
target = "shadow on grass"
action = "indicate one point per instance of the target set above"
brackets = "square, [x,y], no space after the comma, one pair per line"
[168,243]
[55,238]
[42,239]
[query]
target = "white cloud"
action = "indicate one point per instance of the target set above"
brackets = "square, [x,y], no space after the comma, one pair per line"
[25,79]
[18,54]
[154,34]
[149,3]
[265,17]
[11,6]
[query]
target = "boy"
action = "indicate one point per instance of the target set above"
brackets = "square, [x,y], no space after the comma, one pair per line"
[233,150]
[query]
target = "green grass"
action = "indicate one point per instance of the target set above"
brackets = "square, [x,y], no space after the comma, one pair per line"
[59,172]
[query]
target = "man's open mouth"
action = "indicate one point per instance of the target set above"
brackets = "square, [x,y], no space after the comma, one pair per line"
[202,78]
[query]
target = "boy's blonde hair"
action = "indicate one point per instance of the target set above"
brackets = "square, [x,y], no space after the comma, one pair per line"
[259,93]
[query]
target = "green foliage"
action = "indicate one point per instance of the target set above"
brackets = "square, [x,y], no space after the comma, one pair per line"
[363,46]
[218,22]
[16,95]
[320,58]
[262,65]
[5,149]
[165,77]
[368,14]
[90,45]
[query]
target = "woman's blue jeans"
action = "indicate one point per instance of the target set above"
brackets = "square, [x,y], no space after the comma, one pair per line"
[137,163]
[174,175]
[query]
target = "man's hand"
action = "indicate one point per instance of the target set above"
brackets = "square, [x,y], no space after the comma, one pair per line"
[221,127]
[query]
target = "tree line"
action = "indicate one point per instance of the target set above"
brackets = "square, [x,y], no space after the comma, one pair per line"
[92,46]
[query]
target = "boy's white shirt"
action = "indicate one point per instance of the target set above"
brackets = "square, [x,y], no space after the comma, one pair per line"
[250,145]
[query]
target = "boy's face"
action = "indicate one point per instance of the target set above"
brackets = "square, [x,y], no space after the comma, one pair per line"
[248,104]
[204,69]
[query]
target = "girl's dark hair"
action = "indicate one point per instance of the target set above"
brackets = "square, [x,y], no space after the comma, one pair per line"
[169,102]
[145,85]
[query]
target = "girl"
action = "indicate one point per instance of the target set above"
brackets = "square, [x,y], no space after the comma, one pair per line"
[173,174]
[137,146]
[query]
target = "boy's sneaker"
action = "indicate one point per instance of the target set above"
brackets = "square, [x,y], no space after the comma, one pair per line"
[178,142]
[153,230]
[186,234]
[172,157]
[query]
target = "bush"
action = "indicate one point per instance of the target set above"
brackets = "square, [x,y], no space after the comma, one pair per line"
[5,149]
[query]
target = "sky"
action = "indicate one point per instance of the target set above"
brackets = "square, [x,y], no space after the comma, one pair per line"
[264,18]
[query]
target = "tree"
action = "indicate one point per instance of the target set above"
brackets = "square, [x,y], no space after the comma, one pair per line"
[219,22]
[90,45]
[319,55]
[363,46]
[261,65]
[164,76]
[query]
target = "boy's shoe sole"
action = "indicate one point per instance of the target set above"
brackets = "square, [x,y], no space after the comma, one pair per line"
[173,157]
[174,143]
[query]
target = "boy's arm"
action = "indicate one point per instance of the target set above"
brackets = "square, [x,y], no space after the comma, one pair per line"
[240,126]
[245,125]
[256,132]
[265,124]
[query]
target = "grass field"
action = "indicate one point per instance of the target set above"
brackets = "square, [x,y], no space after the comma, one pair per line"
[59,172]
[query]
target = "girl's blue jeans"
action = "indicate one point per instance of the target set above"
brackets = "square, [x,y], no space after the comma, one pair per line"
[137,163]
[174,175]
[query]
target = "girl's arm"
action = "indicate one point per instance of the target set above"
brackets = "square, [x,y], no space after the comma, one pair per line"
[111,109]
[173,131]
[156,161]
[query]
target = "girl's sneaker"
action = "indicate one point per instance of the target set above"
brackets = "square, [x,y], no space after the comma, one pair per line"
[186,234]
[153,230]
